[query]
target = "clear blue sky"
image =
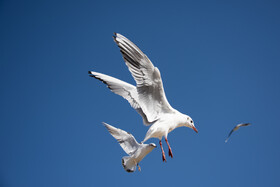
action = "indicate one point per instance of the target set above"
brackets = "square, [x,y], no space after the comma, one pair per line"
[220,64]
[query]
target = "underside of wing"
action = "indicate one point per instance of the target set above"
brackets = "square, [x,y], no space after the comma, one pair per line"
[126,90]
[229,134]
[244,124]
[125,139]
[150,90]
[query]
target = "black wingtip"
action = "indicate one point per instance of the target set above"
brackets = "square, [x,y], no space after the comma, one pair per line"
[90,74]
[245,124]
[114,36]
[129,170]
[95,76]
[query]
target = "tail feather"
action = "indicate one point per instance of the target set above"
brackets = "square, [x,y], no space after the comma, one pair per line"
[129,164]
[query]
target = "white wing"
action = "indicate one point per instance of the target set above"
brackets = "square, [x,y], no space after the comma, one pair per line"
[126,90]
[151,96]
[243,124]
[125,139]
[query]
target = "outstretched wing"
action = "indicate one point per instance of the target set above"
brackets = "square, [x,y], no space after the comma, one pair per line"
[151,96]
[126,90]
[125,139]
[230,134]
[244,124]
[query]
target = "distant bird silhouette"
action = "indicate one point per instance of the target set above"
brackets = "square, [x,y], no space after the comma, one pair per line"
[135,150]
[236,128]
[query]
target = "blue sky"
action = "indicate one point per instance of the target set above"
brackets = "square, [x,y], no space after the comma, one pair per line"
[219,63]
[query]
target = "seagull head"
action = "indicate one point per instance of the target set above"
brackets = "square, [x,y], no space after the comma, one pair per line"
[152,145]
[189,123]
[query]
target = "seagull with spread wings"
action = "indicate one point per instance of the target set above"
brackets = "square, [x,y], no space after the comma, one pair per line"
[148,96]
[135,150]
[236,128]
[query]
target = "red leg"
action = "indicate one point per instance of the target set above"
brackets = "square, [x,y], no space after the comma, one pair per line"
[163,154]
[169,148]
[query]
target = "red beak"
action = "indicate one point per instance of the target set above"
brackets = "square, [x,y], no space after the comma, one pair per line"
[195,129]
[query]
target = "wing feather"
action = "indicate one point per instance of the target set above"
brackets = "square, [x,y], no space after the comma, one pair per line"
[151,95]
[126,90]
[125,139]
[244,124]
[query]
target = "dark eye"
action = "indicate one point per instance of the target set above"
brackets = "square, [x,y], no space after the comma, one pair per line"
[191,121]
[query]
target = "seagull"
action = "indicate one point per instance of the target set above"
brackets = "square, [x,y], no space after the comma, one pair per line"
[236,128]
[135,150]
[148,96]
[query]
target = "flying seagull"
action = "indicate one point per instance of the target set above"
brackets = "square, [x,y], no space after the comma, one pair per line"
[135,150]
[147,97]
[236,128]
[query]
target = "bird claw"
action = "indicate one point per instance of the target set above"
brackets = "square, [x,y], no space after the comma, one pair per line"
[170,153]
[163,158]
